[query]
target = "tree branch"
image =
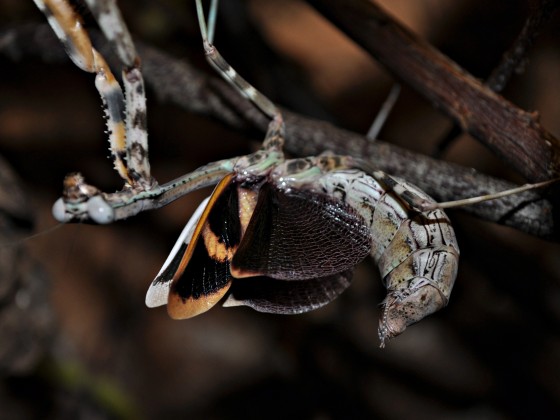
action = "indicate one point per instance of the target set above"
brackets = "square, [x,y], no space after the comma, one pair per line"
[515,135]
[539,14]
[178,82]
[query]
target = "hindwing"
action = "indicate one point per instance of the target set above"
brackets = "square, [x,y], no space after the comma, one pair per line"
[299,235]
[269,235]
[269,295]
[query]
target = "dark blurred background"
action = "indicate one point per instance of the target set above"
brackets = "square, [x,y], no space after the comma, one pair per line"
[76,340]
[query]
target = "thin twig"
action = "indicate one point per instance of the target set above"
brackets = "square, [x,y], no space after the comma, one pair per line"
[540,13]
[384,112]
[515,135]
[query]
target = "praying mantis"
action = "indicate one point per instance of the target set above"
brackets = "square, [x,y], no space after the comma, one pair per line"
[278,235]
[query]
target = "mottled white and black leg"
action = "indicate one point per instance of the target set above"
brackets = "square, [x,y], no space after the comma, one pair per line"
[275,134]
[126,114]
[114,28]
[82,202]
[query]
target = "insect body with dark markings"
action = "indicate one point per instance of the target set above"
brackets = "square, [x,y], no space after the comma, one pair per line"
[280,236]
[289,233]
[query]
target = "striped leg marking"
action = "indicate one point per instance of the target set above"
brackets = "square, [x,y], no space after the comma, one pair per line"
[274,138]
[126,125]
[115,30]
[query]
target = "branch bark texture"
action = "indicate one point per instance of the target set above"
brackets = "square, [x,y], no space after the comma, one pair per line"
[513,134]
[178,82]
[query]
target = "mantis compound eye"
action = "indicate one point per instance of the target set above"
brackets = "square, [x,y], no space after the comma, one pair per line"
[99,210]
[59,211]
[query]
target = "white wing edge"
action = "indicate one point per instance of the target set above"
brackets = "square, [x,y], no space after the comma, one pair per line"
[158,291]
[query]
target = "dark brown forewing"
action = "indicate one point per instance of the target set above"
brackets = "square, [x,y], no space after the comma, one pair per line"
[300,235]
[287,297]
[202,277]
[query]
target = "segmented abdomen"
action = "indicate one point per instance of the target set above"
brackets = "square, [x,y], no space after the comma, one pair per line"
[417,253]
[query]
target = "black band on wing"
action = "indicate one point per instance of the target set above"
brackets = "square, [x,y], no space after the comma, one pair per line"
[203,275]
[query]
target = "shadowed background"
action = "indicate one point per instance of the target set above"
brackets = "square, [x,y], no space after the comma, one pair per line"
[75,337]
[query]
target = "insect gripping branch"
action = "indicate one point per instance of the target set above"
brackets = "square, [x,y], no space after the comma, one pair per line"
[280,236]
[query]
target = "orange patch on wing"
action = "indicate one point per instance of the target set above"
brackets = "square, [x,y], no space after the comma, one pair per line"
[243,273]
[247,204]
[200,225]
[177,306]
[217,250]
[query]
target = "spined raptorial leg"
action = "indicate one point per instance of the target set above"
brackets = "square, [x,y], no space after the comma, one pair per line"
[126,114]
[114,28]
[128,137]
[126,121]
